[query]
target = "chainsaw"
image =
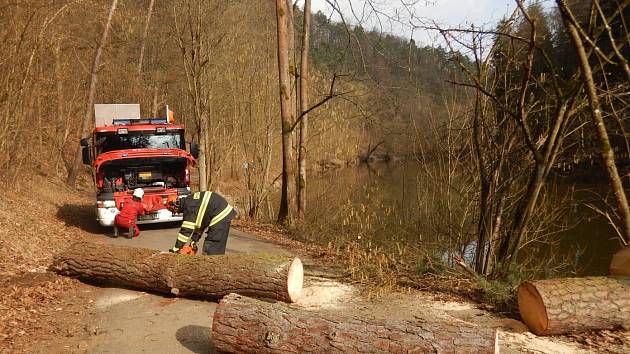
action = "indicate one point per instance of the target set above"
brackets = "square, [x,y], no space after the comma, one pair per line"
[190,249]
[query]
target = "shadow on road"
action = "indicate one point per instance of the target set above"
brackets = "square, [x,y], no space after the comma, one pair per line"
[161,225]
[81,216]
[195,338]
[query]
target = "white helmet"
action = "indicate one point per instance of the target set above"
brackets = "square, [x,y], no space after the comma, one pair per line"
[138,193]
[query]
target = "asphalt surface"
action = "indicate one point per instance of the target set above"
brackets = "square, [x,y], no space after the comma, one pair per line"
[127,321]
[163,236]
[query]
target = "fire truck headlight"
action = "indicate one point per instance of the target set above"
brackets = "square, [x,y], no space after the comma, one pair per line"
[106,204]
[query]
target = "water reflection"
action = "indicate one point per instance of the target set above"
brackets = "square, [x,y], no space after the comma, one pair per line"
[394,207]
[467,255]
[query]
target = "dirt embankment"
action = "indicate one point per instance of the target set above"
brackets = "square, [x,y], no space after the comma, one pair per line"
[37,220]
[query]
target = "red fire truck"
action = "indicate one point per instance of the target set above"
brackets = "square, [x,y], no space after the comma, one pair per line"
[128,152]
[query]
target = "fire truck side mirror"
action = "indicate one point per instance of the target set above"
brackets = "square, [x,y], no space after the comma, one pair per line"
[85,141]
[87,159]
[194,150]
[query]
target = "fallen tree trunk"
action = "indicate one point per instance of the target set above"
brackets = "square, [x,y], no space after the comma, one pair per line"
[256,275]
[558,306]
[620,264]
[245,325]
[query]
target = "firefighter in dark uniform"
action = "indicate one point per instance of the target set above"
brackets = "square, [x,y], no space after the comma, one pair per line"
[204,210]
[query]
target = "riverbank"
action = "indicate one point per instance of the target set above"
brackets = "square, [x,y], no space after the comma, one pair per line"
[394,224]
[394,290]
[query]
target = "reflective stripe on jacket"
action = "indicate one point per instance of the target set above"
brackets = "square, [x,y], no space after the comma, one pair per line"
[201,210]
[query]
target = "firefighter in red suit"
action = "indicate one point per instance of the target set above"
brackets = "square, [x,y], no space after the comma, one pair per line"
[129,213]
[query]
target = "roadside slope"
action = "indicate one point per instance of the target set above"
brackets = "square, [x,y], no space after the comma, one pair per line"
[36,306]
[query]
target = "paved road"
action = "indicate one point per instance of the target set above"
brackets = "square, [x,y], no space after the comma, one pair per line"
[128,321]
[162,237]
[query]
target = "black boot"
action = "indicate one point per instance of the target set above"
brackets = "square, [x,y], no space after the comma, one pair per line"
[132,232]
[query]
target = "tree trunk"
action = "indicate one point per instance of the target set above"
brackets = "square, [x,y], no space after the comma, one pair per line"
[510,245]
[154,106]
[620,264]
[144,36]
[304,78]
[287,211]
[294,95]
[58,152]
[244,325]
[85,126]
[203,152]
[485,205]
[293,77]
[606,151]
[263,276]
[558,306]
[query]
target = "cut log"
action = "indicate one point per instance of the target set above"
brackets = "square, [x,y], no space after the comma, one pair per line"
[620,264]
[245,325]
[558,306]
[257,275]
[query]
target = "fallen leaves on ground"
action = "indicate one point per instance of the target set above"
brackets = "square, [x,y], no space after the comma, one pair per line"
[39,311]
[36,306]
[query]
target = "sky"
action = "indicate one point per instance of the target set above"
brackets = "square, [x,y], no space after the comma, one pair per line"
[448,13]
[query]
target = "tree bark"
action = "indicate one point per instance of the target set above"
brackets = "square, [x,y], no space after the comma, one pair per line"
[154,106]
[203,152]
[292,66]
[606,151]
[244,325]
[304,78]
[96,63]
[558,306]
[294,95]
[62,130]
[144,36]
[485,205]
[509,246]
[620,264]
[262,276]
[287,210]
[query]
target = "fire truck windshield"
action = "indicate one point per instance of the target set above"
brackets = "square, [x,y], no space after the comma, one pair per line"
[139,140]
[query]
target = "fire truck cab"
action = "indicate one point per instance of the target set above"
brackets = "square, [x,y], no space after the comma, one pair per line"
[128,152]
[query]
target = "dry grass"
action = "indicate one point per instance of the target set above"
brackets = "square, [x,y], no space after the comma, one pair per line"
[375,269]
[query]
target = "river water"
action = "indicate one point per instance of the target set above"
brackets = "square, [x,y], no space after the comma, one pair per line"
[395,207]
